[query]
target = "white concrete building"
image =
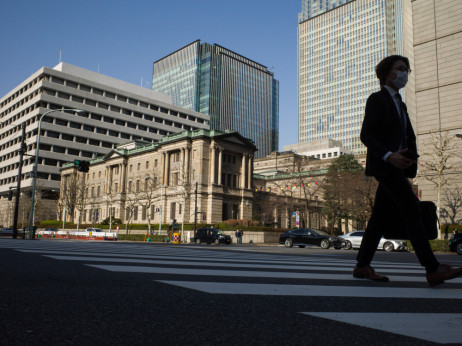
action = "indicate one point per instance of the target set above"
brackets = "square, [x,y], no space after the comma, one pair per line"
[321,149]
[115,112]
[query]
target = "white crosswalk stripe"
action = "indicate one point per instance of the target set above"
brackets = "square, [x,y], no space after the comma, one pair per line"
[204,269]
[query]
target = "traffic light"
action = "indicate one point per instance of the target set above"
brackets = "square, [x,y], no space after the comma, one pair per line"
[83,166]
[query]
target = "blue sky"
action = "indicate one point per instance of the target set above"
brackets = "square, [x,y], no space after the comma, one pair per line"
[124,38]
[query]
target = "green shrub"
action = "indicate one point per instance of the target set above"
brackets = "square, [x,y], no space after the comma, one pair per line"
[141,237]
[437,245]
[115,221]
[232,222]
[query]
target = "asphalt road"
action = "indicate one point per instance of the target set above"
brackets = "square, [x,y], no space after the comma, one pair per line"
[60,292]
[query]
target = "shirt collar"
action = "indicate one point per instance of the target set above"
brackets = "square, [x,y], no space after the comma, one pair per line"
[392,91]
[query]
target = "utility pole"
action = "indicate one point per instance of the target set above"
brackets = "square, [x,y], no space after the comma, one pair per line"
[18,184]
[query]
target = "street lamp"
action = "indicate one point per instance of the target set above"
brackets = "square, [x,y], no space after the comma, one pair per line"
[34,171]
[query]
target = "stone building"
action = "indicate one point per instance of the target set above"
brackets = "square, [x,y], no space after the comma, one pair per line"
[286,183]
[147,182]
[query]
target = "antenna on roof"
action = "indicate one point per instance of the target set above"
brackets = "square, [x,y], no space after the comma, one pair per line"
[98,68]
[60,56]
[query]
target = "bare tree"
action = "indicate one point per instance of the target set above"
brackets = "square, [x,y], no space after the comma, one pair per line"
[437,161]
[148,195]
[81,199]
[132,200]
[453,201]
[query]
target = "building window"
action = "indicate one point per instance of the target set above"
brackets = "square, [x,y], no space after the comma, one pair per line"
[172,210]
[135,213]
[129,188]
[137,186]
[143,213]
[98,191]
[147,164]
[174,179]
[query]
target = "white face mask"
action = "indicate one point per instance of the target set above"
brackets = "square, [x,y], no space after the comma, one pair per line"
[401,79]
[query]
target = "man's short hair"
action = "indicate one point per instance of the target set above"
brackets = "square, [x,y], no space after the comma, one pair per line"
[384,67]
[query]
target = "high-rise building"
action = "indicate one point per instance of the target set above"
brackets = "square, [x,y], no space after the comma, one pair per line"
[239,94]
[438,80]
[114,112]
[339,44]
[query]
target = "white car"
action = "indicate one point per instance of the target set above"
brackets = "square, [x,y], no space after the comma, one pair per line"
[353,241]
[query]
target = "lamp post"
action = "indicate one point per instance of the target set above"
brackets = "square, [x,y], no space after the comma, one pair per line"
[34,171]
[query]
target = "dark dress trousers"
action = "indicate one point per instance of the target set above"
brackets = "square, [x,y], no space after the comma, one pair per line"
[382,132]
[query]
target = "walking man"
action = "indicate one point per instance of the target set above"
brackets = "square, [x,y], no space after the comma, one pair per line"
[392,159]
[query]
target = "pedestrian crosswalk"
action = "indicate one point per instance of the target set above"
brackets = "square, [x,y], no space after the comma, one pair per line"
[217,270]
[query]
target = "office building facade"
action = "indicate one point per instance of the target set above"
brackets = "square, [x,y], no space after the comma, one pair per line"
[339,45]
[438,76]
[115,112]
[237,93]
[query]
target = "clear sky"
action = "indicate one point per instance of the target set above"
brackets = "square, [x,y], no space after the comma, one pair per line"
[123,38]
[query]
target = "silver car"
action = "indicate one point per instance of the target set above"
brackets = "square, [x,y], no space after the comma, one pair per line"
[353,241]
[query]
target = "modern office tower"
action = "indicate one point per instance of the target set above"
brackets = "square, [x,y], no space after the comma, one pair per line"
[239,94]
[438,84]
[115,112]
[339,45]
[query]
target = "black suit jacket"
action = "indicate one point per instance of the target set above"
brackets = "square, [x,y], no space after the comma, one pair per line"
[382,132]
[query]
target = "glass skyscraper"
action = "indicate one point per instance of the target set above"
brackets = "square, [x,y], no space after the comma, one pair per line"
[239,94]
[339,44]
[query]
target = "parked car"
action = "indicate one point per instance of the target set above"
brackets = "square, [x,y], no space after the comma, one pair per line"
[91,229]
[211,235]
[5,231]
[305,236]
[455,243]
[353,241]
[51,229]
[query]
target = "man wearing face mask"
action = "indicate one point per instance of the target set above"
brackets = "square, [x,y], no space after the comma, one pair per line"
[392,159]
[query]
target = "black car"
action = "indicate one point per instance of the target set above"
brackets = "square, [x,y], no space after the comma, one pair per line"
[306,236]
[455,243]
[211,235]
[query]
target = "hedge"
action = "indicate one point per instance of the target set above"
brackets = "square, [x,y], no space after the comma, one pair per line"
[141,237]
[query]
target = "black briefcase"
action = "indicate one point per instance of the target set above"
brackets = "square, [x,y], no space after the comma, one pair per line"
[429,218]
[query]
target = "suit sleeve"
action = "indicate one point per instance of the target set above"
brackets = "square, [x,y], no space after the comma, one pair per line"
[373,127]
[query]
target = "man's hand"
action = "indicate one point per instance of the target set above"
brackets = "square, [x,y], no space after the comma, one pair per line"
[400,161]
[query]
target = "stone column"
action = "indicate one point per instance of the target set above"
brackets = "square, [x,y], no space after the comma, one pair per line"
[243,171]
[212,163]
[249,172]
[220,163]
[123,176]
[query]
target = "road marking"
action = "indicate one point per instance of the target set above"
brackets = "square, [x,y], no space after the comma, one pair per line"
[441,327]
[248,273]
[317,291]
[213,264]
[396,268]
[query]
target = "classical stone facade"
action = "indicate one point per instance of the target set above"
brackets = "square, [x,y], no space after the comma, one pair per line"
[438,78]
[286,182]
[141,182]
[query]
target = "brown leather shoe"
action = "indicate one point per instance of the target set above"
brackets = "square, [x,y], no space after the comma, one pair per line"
[443,273]
[367,272]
